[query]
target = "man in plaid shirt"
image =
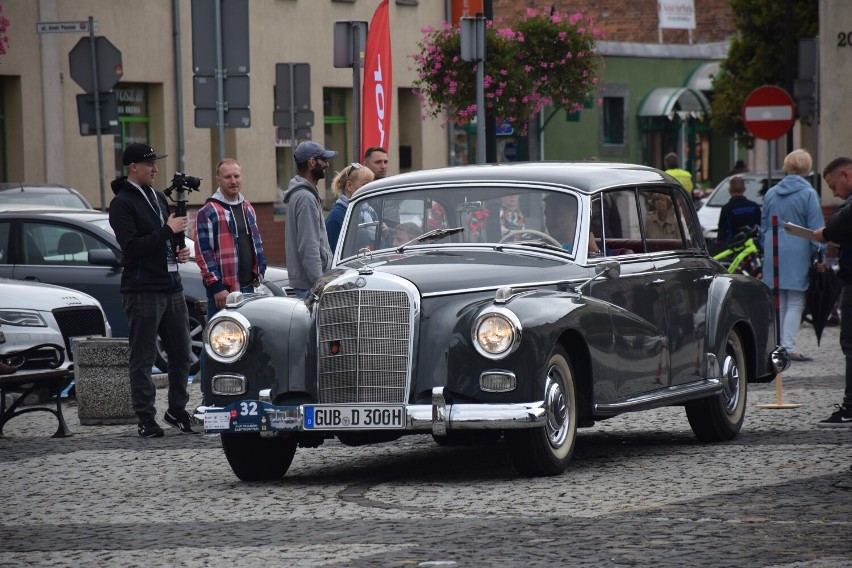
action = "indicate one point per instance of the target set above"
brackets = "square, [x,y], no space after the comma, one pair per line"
[228,247]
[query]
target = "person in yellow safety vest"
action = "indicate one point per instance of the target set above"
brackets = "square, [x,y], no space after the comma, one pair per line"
[673,168]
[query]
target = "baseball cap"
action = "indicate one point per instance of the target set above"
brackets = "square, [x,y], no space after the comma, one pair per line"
[310,149]
[137,152]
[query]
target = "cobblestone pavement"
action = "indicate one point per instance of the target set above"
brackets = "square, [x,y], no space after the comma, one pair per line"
[640,492]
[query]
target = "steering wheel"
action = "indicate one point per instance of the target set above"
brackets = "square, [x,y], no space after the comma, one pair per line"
[513,236]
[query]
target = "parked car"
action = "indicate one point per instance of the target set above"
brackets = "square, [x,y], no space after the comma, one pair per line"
[756,188]
[41,194]
[78,249]
[38,322]
[576,315]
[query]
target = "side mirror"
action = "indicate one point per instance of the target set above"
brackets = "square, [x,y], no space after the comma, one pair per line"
[609,269]
[104,257]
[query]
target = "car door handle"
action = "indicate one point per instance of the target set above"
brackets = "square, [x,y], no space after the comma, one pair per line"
[704,278]
[658,281]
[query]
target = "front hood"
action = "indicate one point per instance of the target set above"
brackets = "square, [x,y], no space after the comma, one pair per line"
[41,297]
[444,270]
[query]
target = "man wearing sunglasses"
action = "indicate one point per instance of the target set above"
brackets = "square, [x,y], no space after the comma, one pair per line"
[306,247]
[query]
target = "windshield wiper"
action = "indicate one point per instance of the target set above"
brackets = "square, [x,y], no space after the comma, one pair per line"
[434,234]
[534,243]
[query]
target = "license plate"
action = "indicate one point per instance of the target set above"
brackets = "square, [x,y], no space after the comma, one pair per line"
[332,417]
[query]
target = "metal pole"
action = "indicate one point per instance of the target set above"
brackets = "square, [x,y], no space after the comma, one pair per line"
[291,68]
[356,91]
[179,86]
[97,97]
[220,80]
[480,90]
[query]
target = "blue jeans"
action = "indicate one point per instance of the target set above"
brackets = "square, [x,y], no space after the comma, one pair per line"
[150,314]
[792,307]
[301,293]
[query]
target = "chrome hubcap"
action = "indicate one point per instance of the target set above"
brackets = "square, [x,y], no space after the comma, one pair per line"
[730,383]
[557,409]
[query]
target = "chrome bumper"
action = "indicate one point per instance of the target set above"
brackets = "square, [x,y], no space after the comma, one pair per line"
[438,417]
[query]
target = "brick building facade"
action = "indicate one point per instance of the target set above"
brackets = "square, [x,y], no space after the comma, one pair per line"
[634,21]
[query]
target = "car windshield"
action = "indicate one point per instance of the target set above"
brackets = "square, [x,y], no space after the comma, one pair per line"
[463,215]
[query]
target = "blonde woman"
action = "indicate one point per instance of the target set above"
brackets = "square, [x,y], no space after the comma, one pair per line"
[345,183]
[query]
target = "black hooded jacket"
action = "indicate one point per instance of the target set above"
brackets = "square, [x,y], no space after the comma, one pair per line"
[144,240]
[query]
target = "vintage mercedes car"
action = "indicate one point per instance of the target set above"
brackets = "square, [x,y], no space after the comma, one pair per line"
[522,301]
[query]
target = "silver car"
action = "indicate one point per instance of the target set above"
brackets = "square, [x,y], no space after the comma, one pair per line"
[38,323]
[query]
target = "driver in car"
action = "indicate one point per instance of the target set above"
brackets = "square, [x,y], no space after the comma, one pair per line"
[560,219]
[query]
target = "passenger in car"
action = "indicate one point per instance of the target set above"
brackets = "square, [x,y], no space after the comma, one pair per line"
[404,232]
[660,222]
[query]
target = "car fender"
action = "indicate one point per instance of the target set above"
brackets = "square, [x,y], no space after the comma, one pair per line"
[749,309]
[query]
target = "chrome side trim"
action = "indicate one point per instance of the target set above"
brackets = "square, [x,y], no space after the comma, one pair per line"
[663,397]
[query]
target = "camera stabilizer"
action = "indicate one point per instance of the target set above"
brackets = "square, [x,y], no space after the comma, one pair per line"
[181,183]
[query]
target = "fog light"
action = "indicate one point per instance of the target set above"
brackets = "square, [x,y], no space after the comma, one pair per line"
[228,384]
[497,381]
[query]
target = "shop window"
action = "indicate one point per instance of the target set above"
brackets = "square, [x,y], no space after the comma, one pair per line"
[613,121]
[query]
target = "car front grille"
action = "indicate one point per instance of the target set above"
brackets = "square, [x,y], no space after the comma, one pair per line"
[364,339]
[79,321]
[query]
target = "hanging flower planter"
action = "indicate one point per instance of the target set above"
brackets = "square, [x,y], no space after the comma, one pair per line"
[537,60]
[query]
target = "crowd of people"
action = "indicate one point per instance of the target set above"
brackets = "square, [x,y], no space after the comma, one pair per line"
[229,250]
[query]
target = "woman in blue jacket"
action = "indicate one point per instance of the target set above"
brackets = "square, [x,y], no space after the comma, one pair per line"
[792,200]
[345,183]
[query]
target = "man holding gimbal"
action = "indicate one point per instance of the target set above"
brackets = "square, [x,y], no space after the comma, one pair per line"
[153,293]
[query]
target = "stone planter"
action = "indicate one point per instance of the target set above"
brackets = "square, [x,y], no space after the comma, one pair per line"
[103,386]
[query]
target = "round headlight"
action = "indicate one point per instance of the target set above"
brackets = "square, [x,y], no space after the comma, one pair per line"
[226,339]
[495,335]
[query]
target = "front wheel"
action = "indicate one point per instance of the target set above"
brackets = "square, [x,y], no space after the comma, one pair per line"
[255,458]
[719,418]
[547,451]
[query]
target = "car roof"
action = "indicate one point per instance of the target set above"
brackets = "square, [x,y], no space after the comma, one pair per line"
[586,176]
[35,187]
[42,211]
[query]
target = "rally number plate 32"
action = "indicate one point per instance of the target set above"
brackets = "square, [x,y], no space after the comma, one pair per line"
[361,417]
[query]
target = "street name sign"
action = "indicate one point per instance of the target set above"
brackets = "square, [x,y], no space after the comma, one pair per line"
[768,112]
[65,27]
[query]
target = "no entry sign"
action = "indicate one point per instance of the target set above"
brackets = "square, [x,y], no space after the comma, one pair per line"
[768,112]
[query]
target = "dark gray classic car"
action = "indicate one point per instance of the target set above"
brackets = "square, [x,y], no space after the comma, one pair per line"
[519,302]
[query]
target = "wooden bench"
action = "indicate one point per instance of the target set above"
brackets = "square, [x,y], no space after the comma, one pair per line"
[54,380]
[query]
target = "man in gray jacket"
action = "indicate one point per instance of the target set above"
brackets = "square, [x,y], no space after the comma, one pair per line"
[306,246]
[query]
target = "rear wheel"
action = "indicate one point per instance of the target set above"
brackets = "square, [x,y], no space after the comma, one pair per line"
[548,450]
[719,418]
[196,328]
[255,458]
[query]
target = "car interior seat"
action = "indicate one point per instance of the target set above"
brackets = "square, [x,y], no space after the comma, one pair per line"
[70,243]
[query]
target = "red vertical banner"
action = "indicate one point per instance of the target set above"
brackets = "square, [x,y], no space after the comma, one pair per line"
[378,82]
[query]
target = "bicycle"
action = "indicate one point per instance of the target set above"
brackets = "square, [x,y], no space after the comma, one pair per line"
[743,255]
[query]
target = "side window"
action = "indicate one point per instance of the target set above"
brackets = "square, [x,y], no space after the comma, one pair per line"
[615,220]
[662,221]
[4,243]
[692,229]
[58,244]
